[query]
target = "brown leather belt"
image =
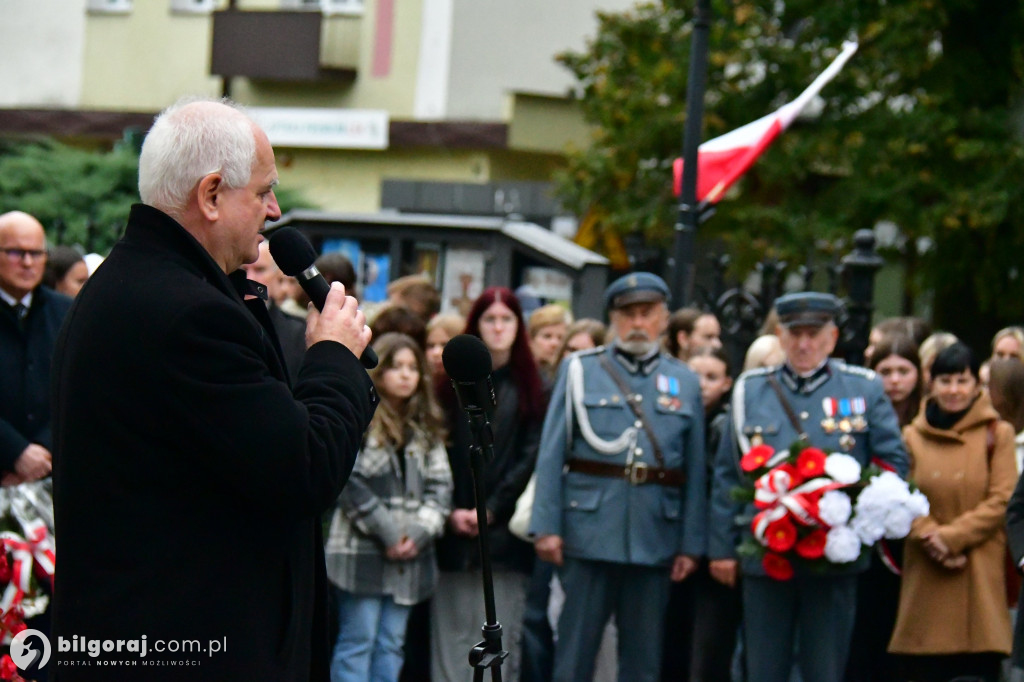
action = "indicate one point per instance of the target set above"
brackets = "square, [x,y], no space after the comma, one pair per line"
[636,473]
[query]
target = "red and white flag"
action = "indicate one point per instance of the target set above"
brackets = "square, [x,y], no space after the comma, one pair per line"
[721,161]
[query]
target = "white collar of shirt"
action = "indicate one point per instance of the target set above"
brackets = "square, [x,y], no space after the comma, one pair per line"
[11,301]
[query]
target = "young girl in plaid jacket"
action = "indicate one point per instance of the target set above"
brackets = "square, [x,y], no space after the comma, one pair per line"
[380,550]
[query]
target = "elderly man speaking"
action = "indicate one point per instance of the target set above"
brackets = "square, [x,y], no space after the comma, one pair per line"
[189,477]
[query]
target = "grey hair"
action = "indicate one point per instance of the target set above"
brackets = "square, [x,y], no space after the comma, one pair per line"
[189,140]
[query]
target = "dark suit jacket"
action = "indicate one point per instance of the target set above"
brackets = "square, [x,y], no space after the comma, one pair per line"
[189,478]
[291,331]
[25,356]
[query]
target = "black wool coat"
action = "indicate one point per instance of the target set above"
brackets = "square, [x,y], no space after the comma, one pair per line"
[189,479]
[25,354]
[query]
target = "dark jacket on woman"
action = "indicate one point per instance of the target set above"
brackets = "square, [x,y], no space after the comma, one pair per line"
[506,476]
[189,479]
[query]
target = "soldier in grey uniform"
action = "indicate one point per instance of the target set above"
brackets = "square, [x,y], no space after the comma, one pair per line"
[620,502]
[840,408]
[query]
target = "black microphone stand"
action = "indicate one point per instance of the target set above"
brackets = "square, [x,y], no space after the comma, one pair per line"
[489,652]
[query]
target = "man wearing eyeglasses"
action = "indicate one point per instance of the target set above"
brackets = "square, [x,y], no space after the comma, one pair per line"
[30,317]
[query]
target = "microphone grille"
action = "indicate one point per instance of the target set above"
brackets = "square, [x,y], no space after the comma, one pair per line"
[291,251]
[466,358]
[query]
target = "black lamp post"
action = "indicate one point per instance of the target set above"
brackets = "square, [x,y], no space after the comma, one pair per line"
[859,268]
[681,264]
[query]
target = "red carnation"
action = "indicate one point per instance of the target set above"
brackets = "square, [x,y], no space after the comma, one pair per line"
[811,463]
[780,535]
[777,567]
[756,457]
[5,568]
[812,545]
[7,668]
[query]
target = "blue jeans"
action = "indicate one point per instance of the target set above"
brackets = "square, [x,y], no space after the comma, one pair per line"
[370,638]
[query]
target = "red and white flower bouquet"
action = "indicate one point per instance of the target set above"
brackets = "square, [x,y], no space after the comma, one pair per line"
[27,559]
[817,509]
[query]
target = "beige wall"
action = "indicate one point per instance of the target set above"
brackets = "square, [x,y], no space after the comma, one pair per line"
[545,124]
[146,59]
[42,45]
[351,180]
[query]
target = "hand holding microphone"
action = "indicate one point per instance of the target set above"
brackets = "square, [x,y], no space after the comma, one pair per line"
[339,318]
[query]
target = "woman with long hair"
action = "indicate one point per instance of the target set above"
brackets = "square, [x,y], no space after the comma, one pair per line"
[895,360]
[380,550]
[497,318]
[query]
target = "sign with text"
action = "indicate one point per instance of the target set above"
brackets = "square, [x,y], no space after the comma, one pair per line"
[323,128]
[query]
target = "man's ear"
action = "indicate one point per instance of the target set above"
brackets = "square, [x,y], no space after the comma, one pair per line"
[208,195]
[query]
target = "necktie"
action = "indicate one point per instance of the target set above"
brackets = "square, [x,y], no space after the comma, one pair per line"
[21,312]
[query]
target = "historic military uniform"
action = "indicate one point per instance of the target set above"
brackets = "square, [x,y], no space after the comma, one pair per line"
[624,505]
[840,408]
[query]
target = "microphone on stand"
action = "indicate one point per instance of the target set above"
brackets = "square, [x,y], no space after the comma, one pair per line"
[468,364]
[297,258]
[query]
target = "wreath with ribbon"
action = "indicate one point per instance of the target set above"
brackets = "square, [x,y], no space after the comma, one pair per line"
[27,561]
[818,509]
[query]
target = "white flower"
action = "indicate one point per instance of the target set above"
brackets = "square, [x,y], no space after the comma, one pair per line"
[884,489]
[868,527]
[917,503]
[842,545]
[834,508]
[897,522]
[842,468]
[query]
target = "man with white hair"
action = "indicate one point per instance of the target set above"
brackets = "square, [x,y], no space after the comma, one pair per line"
[189,477]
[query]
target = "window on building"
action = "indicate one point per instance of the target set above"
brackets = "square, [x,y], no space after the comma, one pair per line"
[194,6]
[110,6]
[327,6]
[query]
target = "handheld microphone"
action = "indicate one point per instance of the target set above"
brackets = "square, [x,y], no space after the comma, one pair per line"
[468,363]
[297,258]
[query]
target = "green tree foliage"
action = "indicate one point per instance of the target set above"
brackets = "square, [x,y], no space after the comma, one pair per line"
[81,196]
[921,128]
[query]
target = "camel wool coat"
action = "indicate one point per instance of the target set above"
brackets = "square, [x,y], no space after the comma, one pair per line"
[945,611]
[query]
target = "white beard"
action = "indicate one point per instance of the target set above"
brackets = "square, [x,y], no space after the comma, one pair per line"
[637,347]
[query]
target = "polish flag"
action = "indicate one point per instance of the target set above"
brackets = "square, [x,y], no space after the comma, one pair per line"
[721,161]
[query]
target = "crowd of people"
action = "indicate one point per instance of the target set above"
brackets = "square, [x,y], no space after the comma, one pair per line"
[332,514]
[582,605]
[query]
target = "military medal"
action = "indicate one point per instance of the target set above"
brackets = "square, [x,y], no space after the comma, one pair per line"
[844,413]
[828,424]
[859,407]
[756,439]
[846,442]
[669,389]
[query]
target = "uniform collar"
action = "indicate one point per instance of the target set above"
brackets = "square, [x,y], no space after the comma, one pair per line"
[643,364]
[807,383]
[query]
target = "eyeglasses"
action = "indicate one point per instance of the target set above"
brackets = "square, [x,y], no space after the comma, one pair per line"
[18,255]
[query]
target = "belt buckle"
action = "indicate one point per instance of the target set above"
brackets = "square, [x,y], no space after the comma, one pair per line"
[638,473]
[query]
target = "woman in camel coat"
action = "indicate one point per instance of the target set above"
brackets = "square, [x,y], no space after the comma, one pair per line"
[953,618]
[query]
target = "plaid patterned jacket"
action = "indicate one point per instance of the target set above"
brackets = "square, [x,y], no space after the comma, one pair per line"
[378,507]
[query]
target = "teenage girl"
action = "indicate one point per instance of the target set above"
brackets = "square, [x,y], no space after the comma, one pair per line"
[380,551]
